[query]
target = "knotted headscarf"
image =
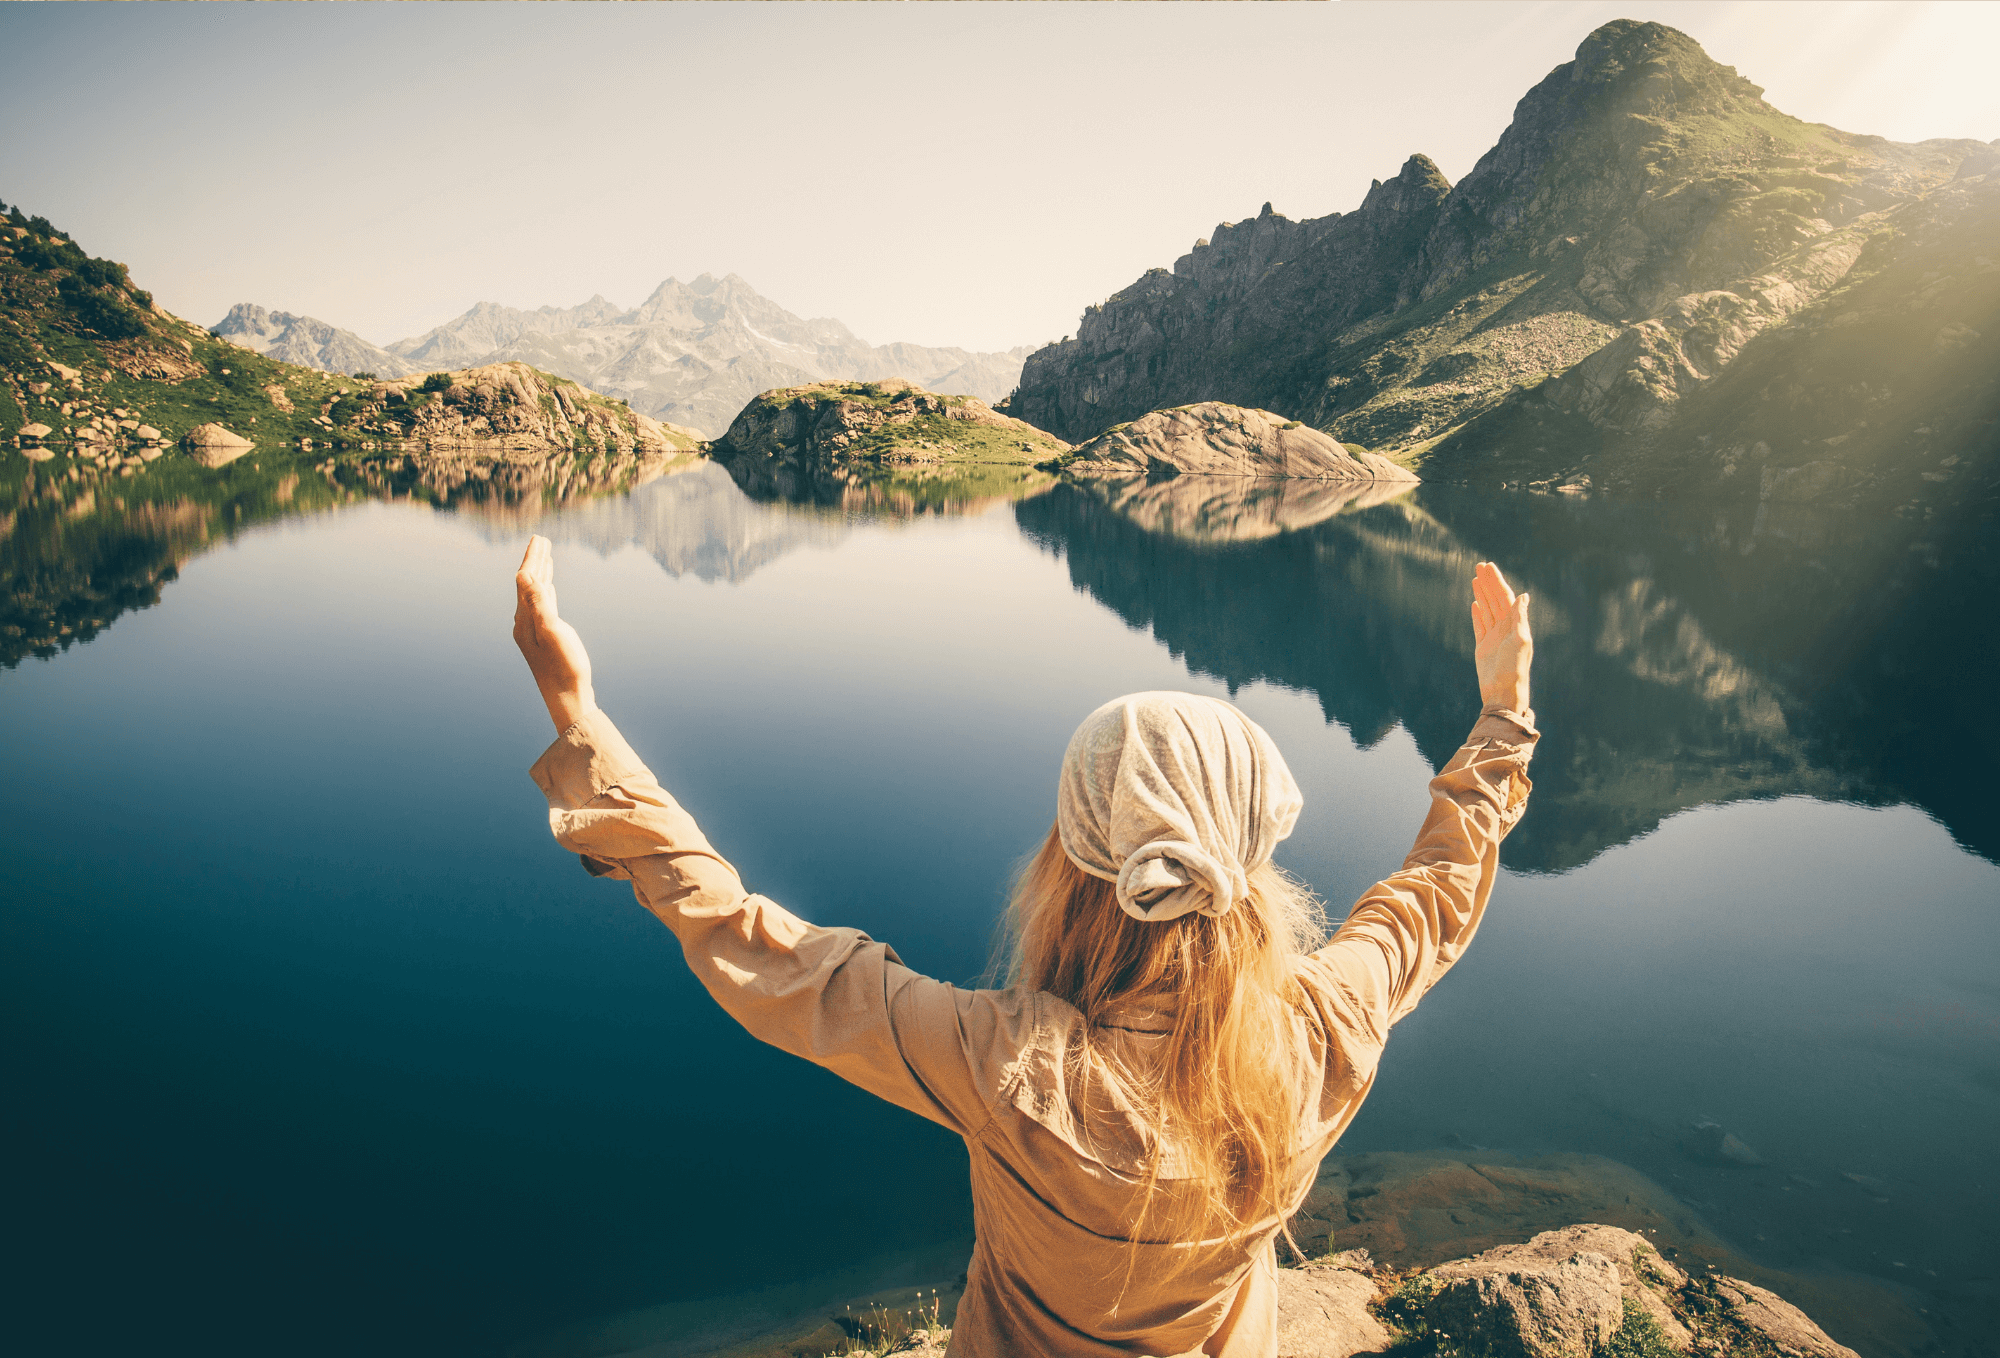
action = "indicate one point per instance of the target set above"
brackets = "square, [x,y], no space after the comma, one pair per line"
[1177,799]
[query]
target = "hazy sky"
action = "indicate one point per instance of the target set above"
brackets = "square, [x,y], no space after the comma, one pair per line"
[969,174]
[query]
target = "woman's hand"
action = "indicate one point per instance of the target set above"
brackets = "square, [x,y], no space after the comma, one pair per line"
[553,650]
[1502,646]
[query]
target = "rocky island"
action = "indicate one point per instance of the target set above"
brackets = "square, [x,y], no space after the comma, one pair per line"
[826,438]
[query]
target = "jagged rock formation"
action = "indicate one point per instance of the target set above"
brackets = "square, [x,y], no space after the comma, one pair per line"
[695,353]
[1646,224]
[1214,439]
[307,342]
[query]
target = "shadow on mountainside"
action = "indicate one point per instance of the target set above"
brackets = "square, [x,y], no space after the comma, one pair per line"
[1684,655]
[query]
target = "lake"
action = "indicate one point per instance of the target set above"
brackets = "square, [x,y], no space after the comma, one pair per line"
[317,1044]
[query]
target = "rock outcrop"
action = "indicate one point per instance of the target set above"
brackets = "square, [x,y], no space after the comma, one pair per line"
[1213,439]
[504,404]
[885,422]
[1644,227]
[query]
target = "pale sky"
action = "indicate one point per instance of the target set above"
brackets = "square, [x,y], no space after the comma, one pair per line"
[971,174]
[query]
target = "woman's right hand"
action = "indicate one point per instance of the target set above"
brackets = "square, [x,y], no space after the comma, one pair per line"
[1502,646]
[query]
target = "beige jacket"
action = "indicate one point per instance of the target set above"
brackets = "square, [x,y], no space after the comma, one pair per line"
[1053,1186]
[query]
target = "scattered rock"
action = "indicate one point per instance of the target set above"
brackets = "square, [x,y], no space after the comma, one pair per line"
[147,432]
[1709,1141]
[279,397]
[1212,438]
[34,431]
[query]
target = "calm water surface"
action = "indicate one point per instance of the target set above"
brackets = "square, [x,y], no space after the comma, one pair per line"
[316,1044]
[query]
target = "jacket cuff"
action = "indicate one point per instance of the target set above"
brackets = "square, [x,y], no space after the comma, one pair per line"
[585,760]
[1506,725]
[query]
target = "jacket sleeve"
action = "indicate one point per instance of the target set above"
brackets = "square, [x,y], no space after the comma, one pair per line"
[833,996]
[1407,930]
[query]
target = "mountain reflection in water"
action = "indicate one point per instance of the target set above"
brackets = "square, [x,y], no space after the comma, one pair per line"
[1684,654]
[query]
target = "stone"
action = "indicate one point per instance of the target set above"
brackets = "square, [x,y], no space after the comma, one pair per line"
[1788,1328]
[1213,438]
[1323,1313]
[34,431]
[147,432]
[1519,1302]
[214,446]
[38,388]
[67,374]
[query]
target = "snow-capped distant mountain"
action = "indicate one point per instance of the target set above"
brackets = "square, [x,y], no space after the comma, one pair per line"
[309,343]
[696,353]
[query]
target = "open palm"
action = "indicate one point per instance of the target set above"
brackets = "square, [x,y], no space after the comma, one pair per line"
[1502,646]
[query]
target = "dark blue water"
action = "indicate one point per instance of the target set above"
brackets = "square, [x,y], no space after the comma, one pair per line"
[315,1043]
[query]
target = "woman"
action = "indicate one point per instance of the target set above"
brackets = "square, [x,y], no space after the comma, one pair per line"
[1149,1099]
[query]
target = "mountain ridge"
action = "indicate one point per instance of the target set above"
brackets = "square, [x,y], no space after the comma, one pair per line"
[691,353]
[1646,210]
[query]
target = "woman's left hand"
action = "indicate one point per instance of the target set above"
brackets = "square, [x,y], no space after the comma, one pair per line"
[553,650]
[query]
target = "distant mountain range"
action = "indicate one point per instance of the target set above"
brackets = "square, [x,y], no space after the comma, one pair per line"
[1655,281]
[692,353]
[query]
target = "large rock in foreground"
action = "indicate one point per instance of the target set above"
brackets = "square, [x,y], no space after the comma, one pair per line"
[1215,439]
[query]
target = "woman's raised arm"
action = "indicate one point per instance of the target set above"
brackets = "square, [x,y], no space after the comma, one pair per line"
[1408,929]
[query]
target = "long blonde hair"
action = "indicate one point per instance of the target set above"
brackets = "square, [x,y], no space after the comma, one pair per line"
[1224,1096]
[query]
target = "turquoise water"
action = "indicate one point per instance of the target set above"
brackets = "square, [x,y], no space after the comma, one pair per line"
[317,1044]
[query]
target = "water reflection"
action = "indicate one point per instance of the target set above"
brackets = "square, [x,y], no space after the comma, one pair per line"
[80,545]
[1685,655]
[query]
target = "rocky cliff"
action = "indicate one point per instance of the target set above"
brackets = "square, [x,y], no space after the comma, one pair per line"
[696,352]
[1646,226]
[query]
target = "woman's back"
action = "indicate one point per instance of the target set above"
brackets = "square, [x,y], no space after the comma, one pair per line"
[1121,1205]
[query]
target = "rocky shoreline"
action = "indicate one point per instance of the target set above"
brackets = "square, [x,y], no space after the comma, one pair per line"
[1428,1255]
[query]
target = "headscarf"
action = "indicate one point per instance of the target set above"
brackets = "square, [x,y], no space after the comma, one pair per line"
[1175,797]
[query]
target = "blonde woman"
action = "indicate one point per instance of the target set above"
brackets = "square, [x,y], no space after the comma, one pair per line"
[1178,1045]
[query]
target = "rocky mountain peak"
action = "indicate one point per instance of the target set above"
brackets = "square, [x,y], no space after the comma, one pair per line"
[1417,186]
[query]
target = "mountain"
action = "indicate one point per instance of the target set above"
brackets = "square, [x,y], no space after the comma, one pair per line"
[1580,306]
[308,343]
[696,353]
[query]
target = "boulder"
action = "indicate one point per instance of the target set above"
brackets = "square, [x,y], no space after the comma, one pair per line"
[1520,1302]
[147,432]
[1211,438]
[34,431]
[1788,1329]
[214,446]
[1323,1313]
